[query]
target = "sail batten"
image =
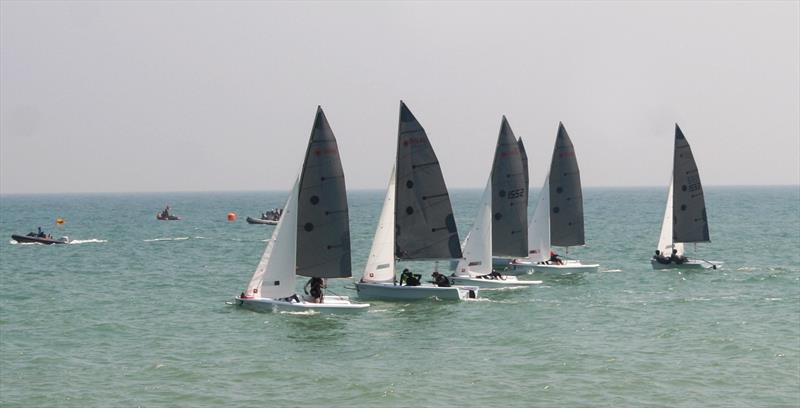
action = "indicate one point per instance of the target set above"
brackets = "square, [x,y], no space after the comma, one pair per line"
[509,196]
[323,227]
[424,224]
[689,217]
[566,197]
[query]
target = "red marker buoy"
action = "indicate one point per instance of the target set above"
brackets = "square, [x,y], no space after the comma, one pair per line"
[231,216]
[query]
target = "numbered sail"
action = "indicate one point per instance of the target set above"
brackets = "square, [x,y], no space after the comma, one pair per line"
[380,263]
[690,223]
[323,225]
[274,275]
[509,196]
[566,197]
[424,224]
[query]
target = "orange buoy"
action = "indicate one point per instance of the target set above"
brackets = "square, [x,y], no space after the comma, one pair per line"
[60,221]
[231,216]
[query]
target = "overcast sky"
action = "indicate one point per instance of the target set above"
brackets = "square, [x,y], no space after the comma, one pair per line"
[205,96]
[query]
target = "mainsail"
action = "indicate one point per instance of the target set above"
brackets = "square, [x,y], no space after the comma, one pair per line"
[509,196]
[323,225]
[566,199]
[424,224]
[524,162]
[690,223]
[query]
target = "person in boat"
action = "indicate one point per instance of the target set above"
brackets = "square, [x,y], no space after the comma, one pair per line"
[315,285]
[41,233]
[293,299]
[410,279]
[661,258]
[677,259]
[440,280]
[165,213]
[493,275]
[555,259]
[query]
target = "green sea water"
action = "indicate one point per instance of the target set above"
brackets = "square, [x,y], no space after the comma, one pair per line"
[134,313]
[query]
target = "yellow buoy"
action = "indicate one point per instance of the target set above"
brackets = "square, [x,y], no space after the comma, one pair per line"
[231,216]
[60,221]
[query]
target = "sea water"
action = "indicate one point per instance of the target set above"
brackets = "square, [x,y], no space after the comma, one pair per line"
[134,313]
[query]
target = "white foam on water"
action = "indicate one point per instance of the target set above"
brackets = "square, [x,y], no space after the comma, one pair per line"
[87,241]
[166,239]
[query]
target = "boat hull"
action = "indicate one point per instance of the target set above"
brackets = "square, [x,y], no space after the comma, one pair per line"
[251,220]
[168,218]
[692,264]
[390,291]
[570,267]
[508,282]
[38,240]
[331,304]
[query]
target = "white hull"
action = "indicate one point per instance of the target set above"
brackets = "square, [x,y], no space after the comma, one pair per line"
[390,291]
[570,267]
[483,283]
[331,304]
[693,264]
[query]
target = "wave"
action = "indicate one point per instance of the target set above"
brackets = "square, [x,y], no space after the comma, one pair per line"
[167,239]
[87,241]
[611,270]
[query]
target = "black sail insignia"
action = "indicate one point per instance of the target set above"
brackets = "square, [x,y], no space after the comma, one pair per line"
[323,224]
[509,196]
[689,220]
[566,197]
[424,224]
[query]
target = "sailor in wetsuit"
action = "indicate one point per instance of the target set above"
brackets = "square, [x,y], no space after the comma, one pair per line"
[678,259]
[316,285]
[440,280]
[661,258]
[410,279]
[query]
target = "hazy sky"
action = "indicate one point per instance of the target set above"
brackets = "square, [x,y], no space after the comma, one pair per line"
[199,96]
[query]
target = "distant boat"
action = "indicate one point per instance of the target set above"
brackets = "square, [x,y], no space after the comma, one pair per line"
[166,216]
[558,217]
[312,238]
[251,220]
[501,225]
[39,238]
[416,222]
[685,219]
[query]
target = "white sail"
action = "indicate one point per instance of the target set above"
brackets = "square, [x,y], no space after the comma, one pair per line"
[477,258]
[665,244]
[380,264]
[539,227]
[275,274]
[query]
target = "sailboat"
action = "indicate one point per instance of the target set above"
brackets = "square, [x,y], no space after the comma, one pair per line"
[311,239]
[500,227]
[685,218]
[416,221]
[558,217]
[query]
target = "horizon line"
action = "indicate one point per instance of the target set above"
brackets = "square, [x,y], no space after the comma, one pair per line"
[354,189]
